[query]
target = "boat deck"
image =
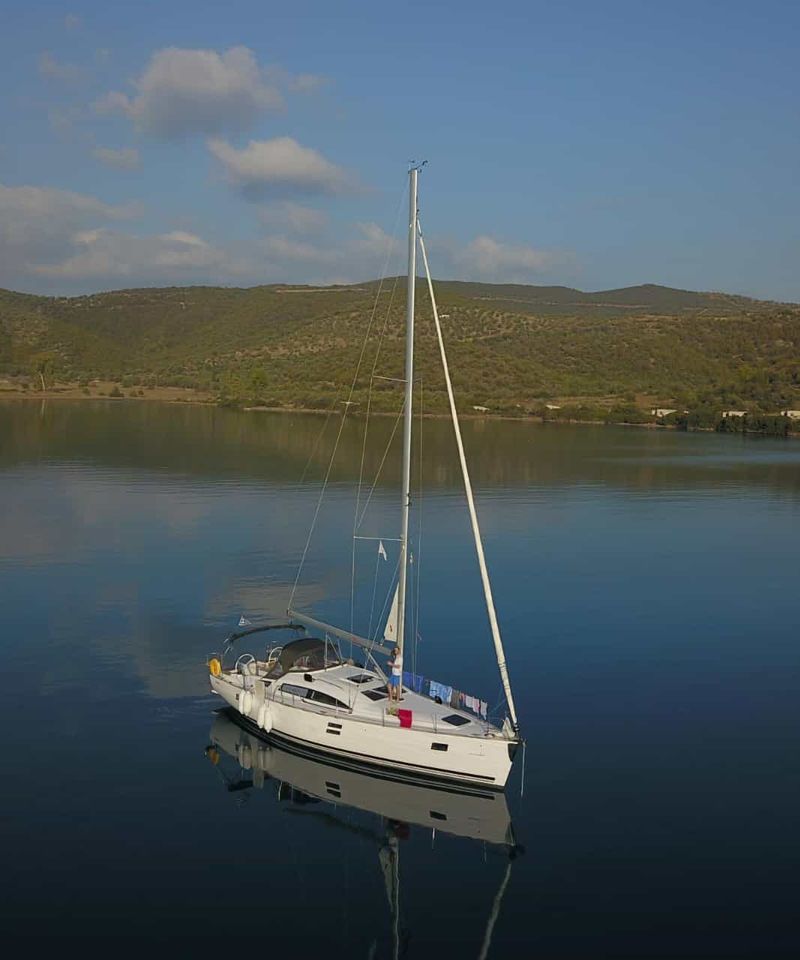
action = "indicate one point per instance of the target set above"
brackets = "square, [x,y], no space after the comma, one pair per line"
[361,693]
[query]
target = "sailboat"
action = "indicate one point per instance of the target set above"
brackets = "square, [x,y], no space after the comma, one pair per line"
[307,694]
[306,783]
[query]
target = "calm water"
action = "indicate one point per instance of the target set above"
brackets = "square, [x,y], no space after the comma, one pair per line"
[647,584]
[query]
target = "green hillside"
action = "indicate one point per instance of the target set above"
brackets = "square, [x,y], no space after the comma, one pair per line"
[512,347]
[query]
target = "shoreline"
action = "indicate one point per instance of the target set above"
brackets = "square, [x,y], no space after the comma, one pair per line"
[181,395]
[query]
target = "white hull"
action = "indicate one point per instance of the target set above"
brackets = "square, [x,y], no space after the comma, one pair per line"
[459,811]
[375,738]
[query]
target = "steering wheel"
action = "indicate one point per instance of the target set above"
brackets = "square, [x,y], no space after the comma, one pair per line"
[244,662]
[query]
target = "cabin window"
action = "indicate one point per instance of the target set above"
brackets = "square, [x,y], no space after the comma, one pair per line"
[455,719]
[438,746]
[316,696]
[295,690]
[361,678]
[435,815]
[319,697]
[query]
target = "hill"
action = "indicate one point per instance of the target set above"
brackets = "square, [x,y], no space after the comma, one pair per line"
[512,347]
[647,297]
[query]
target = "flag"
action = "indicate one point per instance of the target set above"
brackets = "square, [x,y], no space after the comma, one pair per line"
[382,550]
[244,622]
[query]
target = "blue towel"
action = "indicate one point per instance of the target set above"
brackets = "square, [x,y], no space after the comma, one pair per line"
[413,681]
[441,691]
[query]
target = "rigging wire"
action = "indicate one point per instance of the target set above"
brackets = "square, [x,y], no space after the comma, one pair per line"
[319,438]
[374,591]
[317,509]
[373,377]
[389,252]
[418,571]
[347,405]
[383,461]
[366,506]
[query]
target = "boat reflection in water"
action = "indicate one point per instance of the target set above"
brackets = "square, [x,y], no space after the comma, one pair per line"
[305,779]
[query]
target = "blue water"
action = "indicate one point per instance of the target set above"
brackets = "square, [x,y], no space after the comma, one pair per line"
[646,583]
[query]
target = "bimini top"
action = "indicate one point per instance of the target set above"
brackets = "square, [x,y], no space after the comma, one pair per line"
[308,653]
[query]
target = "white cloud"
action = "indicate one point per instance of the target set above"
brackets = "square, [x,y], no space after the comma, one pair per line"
[25,211]
[112,102]
[280,165]
[306,83]
[294,251]
[365,251]
[374,237]
[488,259]
[124,159]
[65,120]
[295,217]
[110,255]
[37,224]
[360,254]
[185,92]
[63,241]
[60,241]
[303,83]
[52,69]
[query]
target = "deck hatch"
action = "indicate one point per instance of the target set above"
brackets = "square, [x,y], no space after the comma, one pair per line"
[375,694]
[455,719]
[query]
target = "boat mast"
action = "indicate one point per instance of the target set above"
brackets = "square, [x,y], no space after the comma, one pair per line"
[408,411]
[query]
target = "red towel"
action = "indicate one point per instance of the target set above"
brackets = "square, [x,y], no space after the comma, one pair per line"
[405,717]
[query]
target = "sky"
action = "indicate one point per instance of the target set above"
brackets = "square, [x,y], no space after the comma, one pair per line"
[596,145]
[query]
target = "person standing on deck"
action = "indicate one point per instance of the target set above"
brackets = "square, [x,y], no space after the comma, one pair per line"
[396,676]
